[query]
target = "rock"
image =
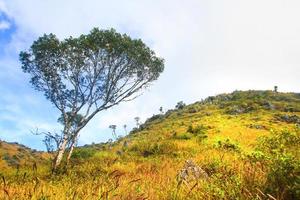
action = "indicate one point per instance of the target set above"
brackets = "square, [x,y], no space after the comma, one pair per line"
[235,110]
[289,118]
[256,126]
[267,105]
[191,172]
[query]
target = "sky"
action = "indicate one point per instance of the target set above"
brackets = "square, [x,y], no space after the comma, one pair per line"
[209,47]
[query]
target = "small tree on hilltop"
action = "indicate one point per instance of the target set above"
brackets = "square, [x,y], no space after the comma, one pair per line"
[88,74]
[180,105]
[125,128]
[137,121]
[161,110]
[275,88]
[113,128]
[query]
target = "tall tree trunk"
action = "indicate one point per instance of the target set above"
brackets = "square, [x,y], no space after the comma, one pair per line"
[71,148]
[60,152]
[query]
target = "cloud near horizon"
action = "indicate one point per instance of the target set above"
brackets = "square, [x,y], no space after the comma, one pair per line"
[210,47]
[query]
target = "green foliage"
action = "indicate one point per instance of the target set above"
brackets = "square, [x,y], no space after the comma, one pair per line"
[212,167]
[146,149]
[283,177]
[224,183]
[182,136]
[83,153]
[225,186]
[255,156]
[200,131]
[88,74]
[180,105]
[73,120]
[282,142]
[227,144]
[197,130]
[192,109]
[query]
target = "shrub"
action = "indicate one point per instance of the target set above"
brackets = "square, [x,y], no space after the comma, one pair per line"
[182,136]
[283,174]
[197,130]
[291,109]
[227,145]
[192,109]
[200,138]
[11,160]
[133,131]
[146,148]
[288,118]
[180,105]
[83,153]
[255,156]
[153,118]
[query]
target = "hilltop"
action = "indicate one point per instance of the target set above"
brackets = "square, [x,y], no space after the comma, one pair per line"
[242,145]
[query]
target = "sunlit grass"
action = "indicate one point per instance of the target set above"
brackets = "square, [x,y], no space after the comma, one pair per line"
[148,166]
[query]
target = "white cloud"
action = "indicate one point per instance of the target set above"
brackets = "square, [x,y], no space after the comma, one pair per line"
[210,47]
[4,25]
[2,6]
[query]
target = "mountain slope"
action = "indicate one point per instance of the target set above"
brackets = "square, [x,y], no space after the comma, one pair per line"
[243,145]
[16,155]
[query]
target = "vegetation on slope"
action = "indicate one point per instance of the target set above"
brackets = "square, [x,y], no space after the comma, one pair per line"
[246,142]
[14,155]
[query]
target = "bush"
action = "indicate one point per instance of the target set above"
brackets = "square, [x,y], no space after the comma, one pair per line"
[154,117]
[283,174]
[146,148]
[180,105]
[227,145]
[255,156]
[288,118]
[133,131]
[11,160]
[182,136]
[197,130]
[200,138]
[192,109]
[83,153]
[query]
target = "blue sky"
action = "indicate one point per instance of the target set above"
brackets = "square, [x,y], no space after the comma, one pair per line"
[210,47]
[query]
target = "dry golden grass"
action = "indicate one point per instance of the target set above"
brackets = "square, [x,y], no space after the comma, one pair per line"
[148,167]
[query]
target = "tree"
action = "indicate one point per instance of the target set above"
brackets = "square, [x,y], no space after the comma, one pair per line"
[161,110]
[137,121]
[275,89]
[125,128]
[180,105]
[113,128]
[51,140]
[88,74]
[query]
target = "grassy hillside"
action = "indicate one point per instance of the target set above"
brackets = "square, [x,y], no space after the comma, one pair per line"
[14,155]
[243,145]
